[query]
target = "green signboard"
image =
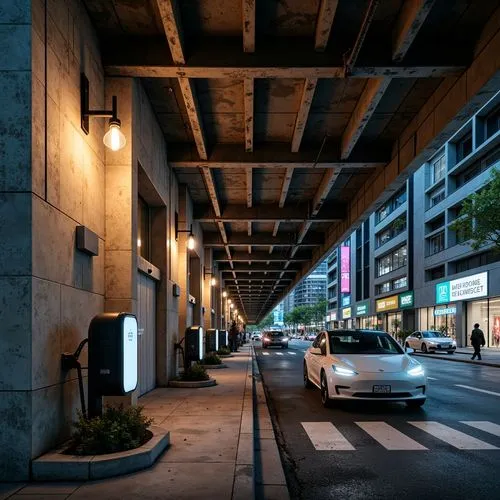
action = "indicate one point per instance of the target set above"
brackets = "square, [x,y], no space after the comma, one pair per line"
[362,308]
[406,300]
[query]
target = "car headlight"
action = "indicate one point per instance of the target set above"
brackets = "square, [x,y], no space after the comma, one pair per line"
[432,343]
[415,372]
[265,339]
[344,372]
[284,339]
[454,343]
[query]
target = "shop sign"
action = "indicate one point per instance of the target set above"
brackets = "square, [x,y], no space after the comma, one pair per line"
[406,300]
[346,301]
[443,311]
[346,313]
[362,309]
[333,316]
[345,268]
[387,304]
[467,288]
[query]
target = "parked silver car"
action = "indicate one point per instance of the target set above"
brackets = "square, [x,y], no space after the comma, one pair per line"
[431,341]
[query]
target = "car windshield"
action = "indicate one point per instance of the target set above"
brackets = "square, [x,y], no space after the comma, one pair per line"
[363,342]
[276,334]
[432,334]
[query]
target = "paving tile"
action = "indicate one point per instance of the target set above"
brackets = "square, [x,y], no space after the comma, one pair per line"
[64,488]
[8,489]
[274,492]
[213,481]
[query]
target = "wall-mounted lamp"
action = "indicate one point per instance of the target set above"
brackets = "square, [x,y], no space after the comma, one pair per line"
[190,244]
[213,281]
[113,138]
[224,294]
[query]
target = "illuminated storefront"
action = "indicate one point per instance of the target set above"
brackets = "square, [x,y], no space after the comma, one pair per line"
[390,312]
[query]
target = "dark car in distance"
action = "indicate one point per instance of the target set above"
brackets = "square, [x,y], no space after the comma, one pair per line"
[274,338]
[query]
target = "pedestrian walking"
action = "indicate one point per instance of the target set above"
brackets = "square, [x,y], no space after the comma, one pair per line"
[477,341]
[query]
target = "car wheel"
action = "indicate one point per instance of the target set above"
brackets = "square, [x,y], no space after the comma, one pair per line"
[415,403]
[307,383]
[424,347]
[325,400]
[451,352]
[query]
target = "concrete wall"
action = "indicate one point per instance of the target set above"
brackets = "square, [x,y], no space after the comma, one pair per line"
[53,178]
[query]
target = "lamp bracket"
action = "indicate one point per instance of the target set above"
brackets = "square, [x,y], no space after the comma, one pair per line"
[177,230]
[86,113]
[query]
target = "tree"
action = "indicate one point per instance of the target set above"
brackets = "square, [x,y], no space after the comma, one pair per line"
[319,311]
[479,217]
[266,322]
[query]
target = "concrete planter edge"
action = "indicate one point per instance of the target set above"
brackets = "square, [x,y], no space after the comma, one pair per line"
[214,367]
[56,466]
[192,384]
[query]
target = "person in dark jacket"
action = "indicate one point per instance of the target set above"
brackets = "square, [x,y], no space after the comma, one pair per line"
[477,341]
[233,337]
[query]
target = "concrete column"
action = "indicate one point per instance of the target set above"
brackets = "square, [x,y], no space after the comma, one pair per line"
[121,216]
[182,262]
[208,289]
[159,236]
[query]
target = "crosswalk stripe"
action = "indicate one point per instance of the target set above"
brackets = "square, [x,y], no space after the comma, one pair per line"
[478,390]
[432,378]
[279,353]
[265,353]
[389,437]
[451,436]
[292,353]
[326,437]
[489,427]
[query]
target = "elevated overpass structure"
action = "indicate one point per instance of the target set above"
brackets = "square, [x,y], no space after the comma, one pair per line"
[291,121]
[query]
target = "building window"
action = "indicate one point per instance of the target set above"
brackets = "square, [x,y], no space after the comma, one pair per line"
[392,261]
[438,169]
[464,147]
[392,204]
[435,243]
[492,123]
[474,261]
[397,227]
[388,286]
[437,197]
[434,273]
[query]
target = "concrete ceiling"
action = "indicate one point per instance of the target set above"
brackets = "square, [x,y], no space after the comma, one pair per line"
[277,112]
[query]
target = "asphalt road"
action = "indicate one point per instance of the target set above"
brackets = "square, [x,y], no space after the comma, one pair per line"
[369,470]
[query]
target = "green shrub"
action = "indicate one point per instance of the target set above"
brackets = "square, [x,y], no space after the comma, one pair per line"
[224,350]
[211,359]
[195,373]
[118,429]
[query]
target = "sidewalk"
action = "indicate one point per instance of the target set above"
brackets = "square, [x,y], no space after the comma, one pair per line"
[211,455]
[490,357]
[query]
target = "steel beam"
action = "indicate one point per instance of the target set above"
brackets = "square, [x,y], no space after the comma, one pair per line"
[324,23]
[211,239]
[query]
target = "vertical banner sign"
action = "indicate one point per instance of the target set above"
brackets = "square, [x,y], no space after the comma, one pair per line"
[345,266]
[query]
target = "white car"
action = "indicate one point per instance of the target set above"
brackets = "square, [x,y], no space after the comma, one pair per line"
[431,341]
[364,365]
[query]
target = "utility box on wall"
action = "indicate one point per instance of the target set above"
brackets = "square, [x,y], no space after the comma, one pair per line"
[223,338]
[212,340]
[193,345]
[113,354]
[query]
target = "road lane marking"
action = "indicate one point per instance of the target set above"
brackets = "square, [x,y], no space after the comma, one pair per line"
[453,437]
[326,437]
[432,378]
[292,353]
[484,426]
[389,437]
[279,353]
[265,353]
[478,390]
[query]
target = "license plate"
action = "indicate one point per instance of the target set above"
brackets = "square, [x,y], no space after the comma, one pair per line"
[383,389]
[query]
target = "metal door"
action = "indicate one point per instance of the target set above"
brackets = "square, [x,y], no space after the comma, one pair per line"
[146,317]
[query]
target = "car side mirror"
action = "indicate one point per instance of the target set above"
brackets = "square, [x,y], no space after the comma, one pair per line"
[409,350]
[315,350]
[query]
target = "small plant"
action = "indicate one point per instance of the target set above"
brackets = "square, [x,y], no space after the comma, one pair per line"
[118,429]
[224,351]
[211,359]
[195,373]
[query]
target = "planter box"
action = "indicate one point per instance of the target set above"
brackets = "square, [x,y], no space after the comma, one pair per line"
[214,367]
[192,384]
[57,466]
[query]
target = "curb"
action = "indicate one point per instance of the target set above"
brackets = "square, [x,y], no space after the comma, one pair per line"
[457,360]
[270,481]
[56,466]
[244,473]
